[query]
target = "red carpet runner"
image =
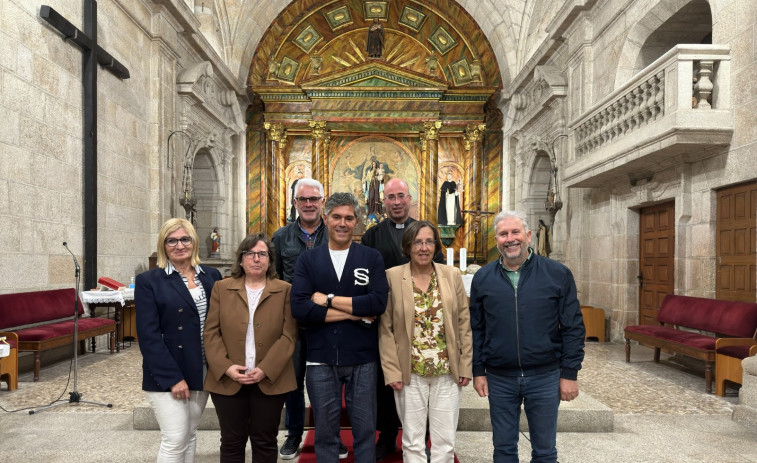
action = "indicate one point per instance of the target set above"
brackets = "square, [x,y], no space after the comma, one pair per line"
[308,451]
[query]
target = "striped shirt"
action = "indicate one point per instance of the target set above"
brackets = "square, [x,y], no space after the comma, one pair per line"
[198,296]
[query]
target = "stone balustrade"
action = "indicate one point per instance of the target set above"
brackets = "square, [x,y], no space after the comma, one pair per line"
[678,103]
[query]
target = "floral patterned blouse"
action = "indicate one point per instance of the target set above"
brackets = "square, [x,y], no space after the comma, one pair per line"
[429,351]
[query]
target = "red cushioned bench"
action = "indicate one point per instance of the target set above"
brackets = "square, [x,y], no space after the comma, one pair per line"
[44,320]
[690,326]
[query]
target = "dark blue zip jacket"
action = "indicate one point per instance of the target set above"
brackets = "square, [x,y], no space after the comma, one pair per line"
[533,331]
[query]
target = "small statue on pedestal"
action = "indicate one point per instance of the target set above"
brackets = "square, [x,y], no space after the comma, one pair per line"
[215,243]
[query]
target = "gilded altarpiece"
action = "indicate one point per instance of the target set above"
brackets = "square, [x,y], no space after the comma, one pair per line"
[416,109]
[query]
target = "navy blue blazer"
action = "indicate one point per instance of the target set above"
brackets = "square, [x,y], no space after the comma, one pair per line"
[168,327]
[364,280]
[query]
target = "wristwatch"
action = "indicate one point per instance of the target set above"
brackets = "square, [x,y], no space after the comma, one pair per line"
[329,299]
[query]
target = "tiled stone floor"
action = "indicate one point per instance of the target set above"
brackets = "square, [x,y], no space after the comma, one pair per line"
[639,387]
[662,415]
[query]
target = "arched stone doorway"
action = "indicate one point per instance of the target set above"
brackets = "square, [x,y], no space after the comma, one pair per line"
[209,202]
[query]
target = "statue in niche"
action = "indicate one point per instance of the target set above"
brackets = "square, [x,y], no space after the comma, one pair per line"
[544,239]
[299,174]
[374,45]
[293,210]
[373,186]
[215,243]
[448,213]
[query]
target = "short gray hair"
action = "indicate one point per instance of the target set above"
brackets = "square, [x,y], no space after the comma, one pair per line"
[510,215]
[308,182]
[342,199]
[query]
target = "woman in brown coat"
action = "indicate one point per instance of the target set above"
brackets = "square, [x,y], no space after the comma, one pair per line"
[249,340]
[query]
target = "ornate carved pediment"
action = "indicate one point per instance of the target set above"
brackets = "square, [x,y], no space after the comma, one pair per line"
[375,95]
[371,78]
[205,99]
[548,86]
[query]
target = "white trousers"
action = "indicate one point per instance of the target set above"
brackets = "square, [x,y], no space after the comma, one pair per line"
[178,420]
[438,399]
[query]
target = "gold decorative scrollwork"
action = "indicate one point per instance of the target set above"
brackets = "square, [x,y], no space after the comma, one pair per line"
[473,134]
[431,130]
[319,130]
[277,133]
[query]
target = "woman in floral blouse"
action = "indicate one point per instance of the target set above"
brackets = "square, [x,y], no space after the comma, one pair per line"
[426,345]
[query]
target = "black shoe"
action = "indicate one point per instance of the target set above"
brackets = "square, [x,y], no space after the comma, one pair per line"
[428,454]
[384,449]
[343,452]
[291,447]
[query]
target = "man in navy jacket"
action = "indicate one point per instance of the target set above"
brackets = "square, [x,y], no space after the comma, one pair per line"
[337,292]
[528,340]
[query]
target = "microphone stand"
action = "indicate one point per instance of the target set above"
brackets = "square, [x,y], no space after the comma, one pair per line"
[75,395]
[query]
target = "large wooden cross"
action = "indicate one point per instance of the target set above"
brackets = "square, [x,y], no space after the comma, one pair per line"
[92,54]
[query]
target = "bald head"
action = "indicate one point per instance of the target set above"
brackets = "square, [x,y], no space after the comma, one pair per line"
[397,200]
[397,185]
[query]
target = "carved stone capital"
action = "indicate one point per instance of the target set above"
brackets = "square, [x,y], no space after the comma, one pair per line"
[319,130]
[277,133]
[474,133]
[431,130]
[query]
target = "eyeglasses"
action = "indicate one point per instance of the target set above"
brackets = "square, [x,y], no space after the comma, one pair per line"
[399,197]
[250,254]
[427,243]
[311,200]
[184,240]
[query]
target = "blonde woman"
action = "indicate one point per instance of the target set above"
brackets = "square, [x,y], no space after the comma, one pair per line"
[171,303]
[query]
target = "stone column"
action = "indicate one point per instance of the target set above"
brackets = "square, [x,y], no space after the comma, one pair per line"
[276,188]
[472,138]
[320,153]
[427,191]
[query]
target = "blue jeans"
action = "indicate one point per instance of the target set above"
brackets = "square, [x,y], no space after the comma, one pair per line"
[324,383]
[540,395]
[295,401]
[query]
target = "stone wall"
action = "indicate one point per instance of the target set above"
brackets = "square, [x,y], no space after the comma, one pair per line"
[597,231]
[41,140]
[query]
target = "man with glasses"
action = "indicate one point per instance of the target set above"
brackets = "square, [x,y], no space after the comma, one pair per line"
[305,232]
[386,237]
[337,292]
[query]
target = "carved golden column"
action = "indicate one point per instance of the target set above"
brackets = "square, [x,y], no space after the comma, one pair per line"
[429,166]
[472,138]
[320,157]
[277,186]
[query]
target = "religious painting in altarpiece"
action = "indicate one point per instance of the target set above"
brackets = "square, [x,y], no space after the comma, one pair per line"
[363,165]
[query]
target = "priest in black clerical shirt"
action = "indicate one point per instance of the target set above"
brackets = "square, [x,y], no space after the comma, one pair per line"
[386,238]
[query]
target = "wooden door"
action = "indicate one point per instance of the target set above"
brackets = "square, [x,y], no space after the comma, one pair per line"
[656,251]
[736,255]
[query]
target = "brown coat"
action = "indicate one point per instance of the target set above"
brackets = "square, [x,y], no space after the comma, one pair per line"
[226,331]
[395,341]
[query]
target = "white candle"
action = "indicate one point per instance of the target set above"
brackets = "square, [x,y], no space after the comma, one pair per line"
[450,257]
[463,259]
